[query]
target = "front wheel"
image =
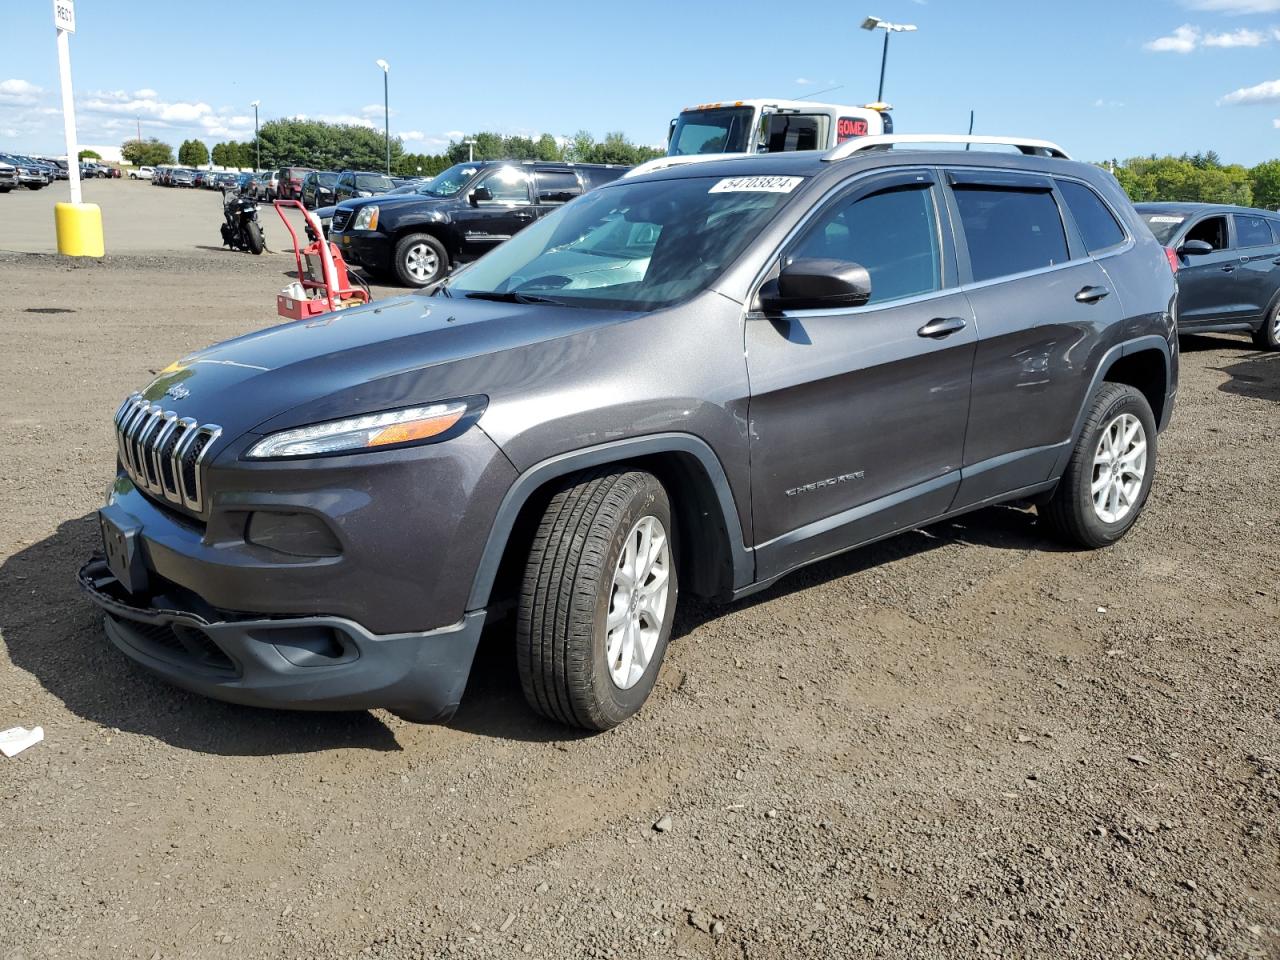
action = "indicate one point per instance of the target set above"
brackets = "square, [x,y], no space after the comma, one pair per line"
[253,238]
[420,260]
[1107,480]
[598,599]
[1267,336]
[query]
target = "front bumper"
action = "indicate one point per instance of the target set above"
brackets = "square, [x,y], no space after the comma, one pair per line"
[367,248]
[300,663]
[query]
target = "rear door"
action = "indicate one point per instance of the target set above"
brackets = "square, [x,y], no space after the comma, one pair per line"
[857,415]
[1207,287]
[1044,310]
[1258,264]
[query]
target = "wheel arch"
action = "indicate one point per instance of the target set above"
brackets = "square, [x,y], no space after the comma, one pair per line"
[434,228]
[712,557]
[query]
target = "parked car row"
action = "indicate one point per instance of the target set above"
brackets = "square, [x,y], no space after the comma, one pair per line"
[31,173]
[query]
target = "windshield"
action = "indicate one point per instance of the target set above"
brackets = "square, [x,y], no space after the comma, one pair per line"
[373,181]
[636,247]
[1164,225]
[726,130]
[448,183]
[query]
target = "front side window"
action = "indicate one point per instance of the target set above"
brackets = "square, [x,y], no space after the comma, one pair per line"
[1212,230]
[722,130]
[1098,227]
[507,185]
[893,234]
[634,246]
[1252,231]
[1010,231]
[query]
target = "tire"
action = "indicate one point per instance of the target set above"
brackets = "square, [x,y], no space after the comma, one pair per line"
[1267,336]
[1072,511]
[413,259]
[594,522]
[253,238]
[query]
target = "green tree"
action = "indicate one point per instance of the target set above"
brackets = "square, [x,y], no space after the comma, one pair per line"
[90,155]
[146,153]
[193,153]
[548,148]
[326,146]
[1265,180]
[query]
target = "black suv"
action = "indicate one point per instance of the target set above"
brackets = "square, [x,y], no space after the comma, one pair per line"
[353,184]
[1228,266]
[688,382]
[464,212]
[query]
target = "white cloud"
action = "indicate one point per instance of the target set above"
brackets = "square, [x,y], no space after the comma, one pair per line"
[345,118]
[1268,92]
[1236,7]
[415,135]
[803,81]
[12,132]
[1113,104]
[1276,123]
[454,134]
[1182,40]
[1236,38]
[146,93]
[19,93]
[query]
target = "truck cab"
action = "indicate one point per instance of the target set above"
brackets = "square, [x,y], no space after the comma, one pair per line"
[772,126]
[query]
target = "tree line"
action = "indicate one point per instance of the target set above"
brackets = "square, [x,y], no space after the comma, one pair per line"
[331,146]
[1199,177]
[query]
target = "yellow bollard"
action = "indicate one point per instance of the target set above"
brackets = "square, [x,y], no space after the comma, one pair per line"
[79,227]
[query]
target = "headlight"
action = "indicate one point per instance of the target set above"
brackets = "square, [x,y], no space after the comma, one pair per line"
[370,432]
[366,218]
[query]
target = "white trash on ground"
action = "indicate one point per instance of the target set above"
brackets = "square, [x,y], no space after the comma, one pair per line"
[16,739]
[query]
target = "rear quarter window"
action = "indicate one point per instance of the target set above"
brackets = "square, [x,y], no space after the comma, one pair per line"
[1097,225]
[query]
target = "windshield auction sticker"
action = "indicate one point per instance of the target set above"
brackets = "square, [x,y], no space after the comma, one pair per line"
[756,185]
[1165,219]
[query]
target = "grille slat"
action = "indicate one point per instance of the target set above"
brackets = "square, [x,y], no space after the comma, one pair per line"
[163,453]
[340,219]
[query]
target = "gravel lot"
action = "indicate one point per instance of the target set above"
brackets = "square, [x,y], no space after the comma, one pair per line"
[962,742]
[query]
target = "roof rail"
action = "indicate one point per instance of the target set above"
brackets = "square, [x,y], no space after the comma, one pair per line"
[1029,146]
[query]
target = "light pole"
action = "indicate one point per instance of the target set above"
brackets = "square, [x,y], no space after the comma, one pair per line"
[257,147]
[875,23]
[471,150]
[386,106]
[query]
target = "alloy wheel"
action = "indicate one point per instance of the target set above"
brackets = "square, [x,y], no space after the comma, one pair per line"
[421,262]
[1119,468]
[638,602]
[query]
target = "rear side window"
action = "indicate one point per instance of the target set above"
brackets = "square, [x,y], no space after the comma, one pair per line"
[1252,231]
[1010,231]
[1096,223]
[555,186]
[893,234]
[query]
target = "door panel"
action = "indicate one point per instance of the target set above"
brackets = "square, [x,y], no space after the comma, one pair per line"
[489,222]
[1207,283]
[1258,264]
[1034,363]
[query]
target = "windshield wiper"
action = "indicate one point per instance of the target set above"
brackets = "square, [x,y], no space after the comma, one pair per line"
[507,297]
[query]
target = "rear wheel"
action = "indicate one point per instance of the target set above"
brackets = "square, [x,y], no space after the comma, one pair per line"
[1109,475]
[1267,336]
[598,599]
[253,237]
[420,260]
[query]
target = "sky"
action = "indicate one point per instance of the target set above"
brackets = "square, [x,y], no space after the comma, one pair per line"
[1104,78]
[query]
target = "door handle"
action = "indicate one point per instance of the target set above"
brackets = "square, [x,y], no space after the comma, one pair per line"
[524,215]
[1276,261]
[1229,268]
[941,327]
[1092,294]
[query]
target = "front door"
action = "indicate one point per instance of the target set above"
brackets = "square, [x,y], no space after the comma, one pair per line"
[498,206]
[857,415]
[1207,288]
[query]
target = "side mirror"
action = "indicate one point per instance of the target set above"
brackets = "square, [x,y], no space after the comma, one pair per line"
[816,284]
[481,195]
[1195,248]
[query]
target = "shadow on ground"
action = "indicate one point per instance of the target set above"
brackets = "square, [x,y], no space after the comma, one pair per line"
[56,635]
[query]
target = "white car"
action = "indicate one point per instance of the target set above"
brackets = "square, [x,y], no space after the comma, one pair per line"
[142,173]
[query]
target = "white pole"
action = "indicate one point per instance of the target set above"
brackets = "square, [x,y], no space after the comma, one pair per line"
[69,115]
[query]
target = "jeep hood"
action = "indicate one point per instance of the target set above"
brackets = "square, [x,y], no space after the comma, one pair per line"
[413,349]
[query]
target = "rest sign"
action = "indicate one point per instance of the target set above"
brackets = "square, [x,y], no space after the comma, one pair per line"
[756,185]
[64,15]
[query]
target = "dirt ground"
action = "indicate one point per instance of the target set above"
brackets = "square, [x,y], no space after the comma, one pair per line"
[962,742]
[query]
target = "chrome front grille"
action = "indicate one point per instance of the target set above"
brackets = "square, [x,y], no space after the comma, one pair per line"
[340,219]
[162,452]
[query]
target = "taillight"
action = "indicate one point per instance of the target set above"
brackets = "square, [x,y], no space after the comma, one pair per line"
[1172,256]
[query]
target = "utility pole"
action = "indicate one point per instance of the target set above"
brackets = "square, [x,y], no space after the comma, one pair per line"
[386,107]
[257,147]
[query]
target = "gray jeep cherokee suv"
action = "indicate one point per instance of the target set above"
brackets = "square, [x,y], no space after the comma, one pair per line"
[689,382]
